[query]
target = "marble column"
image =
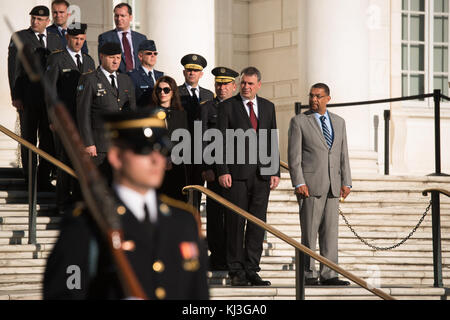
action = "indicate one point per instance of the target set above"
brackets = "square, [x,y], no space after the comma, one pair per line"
[180,27]
[334,49]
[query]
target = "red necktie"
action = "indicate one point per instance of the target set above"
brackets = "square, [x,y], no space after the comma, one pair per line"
[127,49]
[253,118]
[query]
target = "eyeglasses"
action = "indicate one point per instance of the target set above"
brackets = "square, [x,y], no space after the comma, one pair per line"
[151,53]
[312,96]
[166,90]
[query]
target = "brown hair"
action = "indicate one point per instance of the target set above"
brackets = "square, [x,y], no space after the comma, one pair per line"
[67,4]
[175,103]
[123,4]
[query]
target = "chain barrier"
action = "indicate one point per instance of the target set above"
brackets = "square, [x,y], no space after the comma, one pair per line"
[391,247]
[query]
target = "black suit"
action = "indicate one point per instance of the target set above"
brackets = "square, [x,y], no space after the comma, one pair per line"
[161,258]
[96,96]
[192,108]
[63,75]
[33,117]
[250,185]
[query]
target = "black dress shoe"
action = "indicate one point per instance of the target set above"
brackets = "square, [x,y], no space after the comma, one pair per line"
[334,282]
[255,280]
[311,282]
[239,279]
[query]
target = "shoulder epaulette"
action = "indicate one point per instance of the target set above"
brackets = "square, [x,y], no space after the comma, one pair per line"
[57,51]
[183,206]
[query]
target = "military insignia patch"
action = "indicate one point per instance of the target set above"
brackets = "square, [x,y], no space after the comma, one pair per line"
[194,58]
[190,254]
[223,70]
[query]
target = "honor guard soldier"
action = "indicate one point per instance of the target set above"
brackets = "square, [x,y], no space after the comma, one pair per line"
[191,95]
[104,90]
[28,97]
[161,235]
[64,71]
[145,76]
[225,86]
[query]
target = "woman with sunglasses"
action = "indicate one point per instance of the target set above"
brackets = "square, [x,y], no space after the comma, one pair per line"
[166,98]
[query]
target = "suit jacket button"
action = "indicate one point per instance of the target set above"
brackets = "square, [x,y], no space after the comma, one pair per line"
[160,293]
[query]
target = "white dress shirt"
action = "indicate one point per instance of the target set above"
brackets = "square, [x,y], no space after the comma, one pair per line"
[130,41]
[255,106]
[108,76]
[44,38]
[147,71]
[197,90]
[73,54]
[135,201]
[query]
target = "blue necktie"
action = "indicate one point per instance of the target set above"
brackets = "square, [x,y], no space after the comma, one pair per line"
[326,132]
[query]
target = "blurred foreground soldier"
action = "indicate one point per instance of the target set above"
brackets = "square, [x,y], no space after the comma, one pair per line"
[145,76]
[28,97]
[63,71]
[161,234]
[191,95]
[225,85]
[61,14]
[104,90]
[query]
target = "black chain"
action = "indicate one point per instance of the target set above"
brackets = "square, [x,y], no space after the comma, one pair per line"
[391,247]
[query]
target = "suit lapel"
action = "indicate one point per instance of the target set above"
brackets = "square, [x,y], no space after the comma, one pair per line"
[313,122]
[243,111]
[33,38]
[69,60]
[261,114]
[145,76]
[336,132]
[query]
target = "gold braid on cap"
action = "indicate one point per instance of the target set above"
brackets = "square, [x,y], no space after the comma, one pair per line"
[193,66]
[224,79]
[139,123]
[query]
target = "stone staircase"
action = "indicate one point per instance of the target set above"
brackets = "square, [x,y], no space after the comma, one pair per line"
[381,209]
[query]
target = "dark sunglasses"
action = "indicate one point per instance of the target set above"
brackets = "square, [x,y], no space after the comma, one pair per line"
[166,90]
[151,53]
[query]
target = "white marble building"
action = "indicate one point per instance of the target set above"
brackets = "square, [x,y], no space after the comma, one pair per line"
[363,49]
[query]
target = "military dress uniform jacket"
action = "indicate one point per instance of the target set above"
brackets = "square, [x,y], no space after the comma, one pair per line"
[21,87]
[209,112]
[192,109]
[144,85]
[63,74]
[54,29]
[169,258]
[96,96]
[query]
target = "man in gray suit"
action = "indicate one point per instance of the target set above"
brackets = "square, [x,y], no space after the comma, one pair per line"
[320,172]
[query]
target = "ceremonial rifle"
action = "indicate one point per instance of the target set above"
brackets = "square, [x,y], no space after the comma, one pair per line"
[99,199]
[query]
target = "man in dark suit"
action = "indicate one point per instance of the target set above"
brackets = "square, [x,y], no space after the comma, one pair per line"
[225,85]
[192,95]
[64,71]
[145,77]
[61,14]
[28,97]
[247,183]
[104,90]
[161,236]
[129,40]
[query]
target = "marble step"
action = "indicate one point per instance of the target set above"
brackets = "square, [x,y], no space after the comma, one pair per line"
[25,248]
[21,295]
[24,240]
[21,278]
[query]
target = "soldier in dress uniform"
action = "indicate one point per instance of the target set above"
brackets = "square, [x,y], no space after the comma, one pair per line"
[63,71]
[225,85]
[28,97]
[162,238]
[191,95]
[145,76]
[101,91]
